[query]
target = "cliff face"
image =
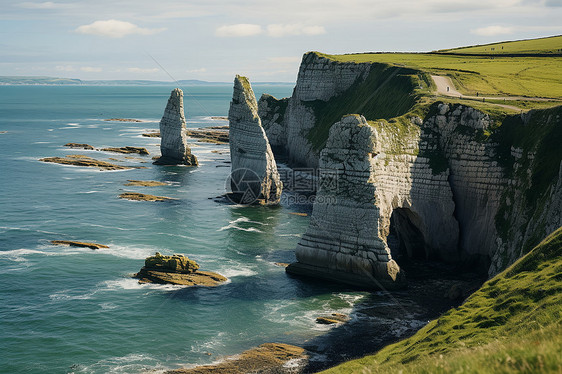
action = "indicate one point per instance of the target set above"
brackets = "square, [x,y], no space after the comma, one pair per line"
[453,184]
[254,177]
[173,145]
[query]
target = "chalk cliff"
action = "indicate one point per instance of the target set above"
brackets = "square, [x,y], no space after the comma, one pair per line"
[446,181]
[173,146]
[254,177]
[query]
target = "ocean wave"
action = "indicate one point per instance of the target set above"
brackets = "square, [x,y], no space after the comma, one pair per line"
[133,284]
[234,225]
[68,295]
[131,363]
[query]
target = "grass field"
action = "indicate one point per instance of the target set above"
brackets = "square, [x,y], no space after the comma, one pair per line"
[513,324]
[549,45]
[493,75]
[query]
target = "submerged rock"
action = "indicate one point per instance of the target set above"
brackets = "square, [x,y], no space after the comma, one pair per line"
[267,358]
[152,134]
[332,319]
[123,120]
[73,243]
[178,270]
[139,150]
[217,136]
[136,196]
[81,160]
[173,146]
[80,145]
[254,177]
[132,182]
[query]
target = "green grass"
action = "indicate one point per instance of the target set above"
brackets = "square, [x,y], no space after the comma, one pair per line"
[513,324]
[490,76]
[387,92]
[548,45]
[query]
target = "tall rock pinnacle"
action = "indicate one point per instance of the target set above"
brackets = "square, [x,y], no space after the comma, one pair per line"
[254,177]
[173,145]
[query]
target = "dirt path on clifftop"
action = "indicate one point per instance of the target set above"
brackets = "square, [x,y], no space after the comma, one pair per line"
[446,87]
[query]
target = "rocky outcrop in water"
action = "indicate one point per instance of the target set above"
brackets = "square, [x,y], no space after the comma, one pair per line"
[178,270]
[254,177]
[81,160]
[173,145]
[136,196]
[127,150]
[73,243]
[268,358]
[343,241]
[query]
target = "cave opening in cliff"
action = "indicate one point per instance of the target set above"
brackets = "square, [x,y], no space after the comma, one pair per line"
[405,240]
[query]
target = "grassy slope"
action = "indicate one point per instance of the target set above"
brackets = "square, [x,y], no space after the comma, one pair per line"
[552,44]
[513,324]
[386,93]
[494,75]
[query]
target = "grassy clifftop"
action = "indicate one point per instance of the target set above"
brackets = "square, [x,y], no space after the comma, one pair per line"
[549,45]
[487,74]
[513,324]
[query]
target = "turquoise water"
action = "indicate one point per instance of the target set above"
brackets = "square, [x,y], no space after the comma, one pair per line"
[69,310]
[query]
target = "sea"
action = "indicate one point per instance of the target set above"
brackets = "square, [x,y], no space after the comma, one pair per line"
[78,310]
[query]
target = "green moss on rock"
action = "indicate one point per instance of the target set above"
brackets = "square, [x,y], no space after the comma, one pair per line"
[174,263]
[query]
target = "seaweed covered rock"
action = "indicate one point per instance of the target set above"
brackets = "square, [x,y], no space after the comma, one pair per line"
[174,263]
[178,270]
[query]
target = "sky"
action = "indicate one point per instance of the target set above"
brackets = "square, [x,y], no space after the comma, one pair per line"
[214,40]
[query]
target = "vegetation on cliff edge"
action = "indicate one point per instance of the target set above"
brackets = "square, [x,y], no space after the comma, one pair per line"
[511,325]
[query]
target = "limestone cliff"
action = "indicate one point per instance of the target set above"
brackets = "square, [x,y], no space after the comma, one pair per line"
[173,146]
[254,177]
[447,181]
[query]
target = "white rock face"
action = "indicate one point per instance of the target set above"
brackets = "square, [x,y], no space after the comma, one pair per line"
[173,146]
[443,184]
[254,177]
[318,79]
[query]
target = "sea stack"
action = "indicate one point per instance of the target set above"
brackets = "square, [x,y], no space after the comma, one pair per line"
[254,178]
[173,145]
[342,242]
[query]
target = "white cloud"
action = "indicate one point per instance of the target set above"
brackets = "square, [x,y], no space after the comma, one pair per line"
[280,30]
[90,69]
[241,29]
[115,29]
[141,70]
[44,5]
[493,30]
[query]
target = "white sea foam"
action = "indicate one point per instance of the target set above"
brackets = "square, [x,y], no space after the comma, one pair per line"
[69,295]
[131,363]
[234,225]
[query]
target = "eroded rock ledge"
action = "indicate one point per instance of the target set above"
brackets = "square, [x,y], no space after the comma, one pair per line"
[268,358]
[254,177]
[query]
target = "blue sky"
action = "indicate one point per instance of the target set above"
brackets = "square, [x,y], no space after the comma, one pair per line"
[216,39]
